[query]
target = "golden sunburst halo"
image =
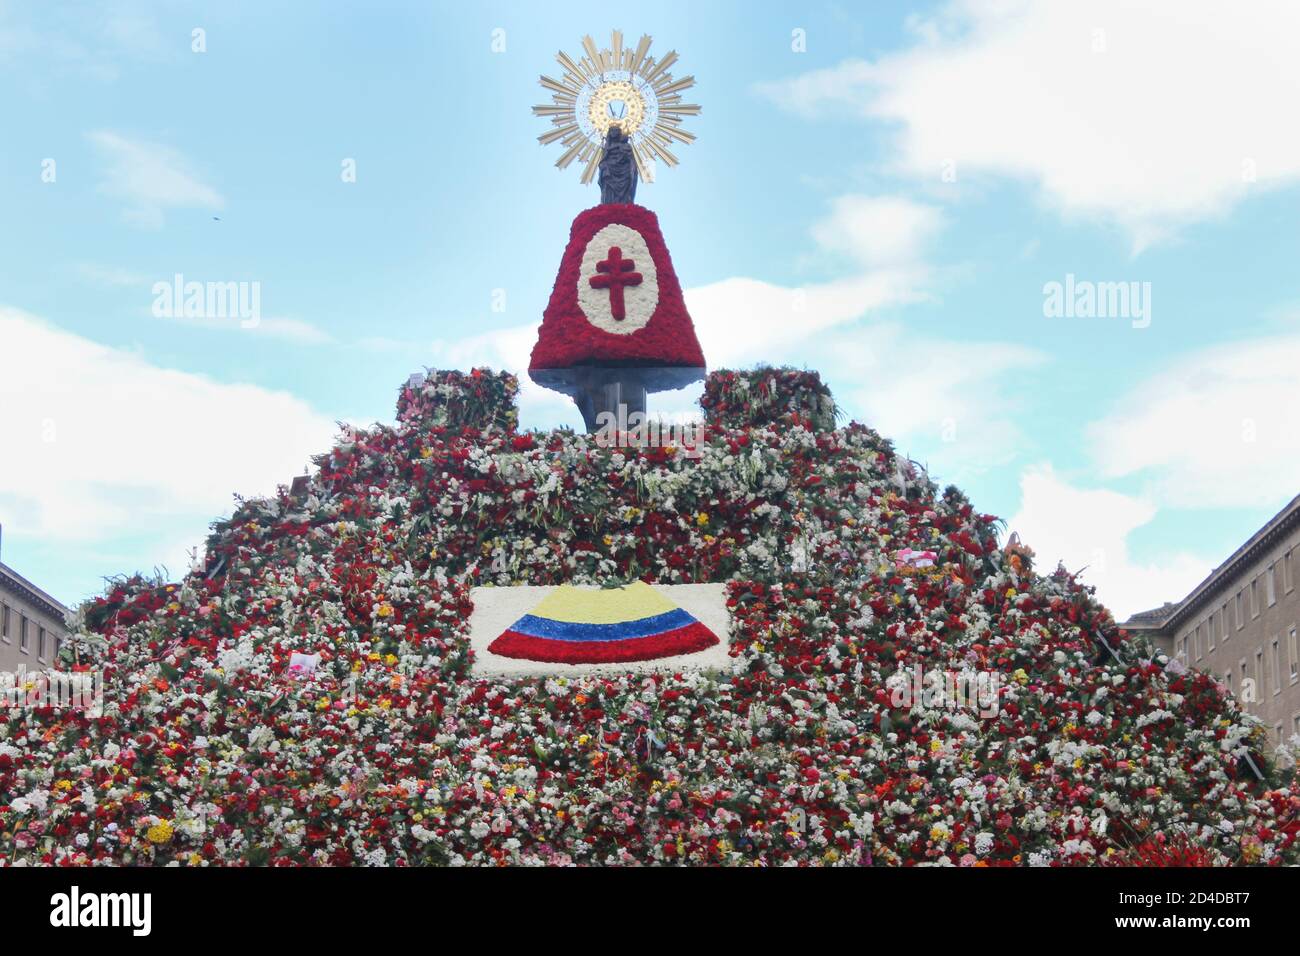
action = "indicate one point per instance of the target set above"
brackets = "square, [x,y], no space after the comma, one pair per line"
[616,85]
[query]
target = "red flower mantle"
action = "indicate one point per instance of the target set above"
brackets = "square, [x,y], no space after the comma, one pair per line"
[567,338]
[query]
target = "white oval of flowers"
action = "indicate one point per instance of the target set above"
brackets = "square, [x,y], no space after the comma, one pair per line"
[627,283]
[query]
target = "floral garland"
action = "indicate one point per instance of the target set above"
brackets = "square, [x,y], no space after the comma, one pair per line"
[212,749]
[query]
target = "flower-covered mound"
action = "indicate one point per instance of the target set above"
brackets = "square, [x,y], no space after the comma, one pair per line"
[208,750]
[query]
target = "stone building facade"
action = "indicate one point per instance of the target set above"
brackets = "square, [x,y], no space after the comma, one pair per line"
[31,623]
[1240,624]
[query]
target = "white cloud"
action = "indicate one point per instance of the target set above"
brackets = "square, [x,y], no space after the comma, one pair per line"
[955,402]
[879,230]
[150,178]
[275,327]
[882,238]
[100,444]
[292,330]
[1150,115]
[1089,529]
[1218,428]
[740,321]
[298,331]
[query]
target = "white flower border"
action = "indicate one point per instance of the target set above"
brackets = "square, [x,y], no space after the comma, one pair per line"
[496,608]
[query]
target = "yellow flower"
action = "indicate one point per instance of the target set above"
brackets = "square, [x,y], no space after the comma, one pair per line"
[161,832]
[64,785]
[385,610]
[702,518]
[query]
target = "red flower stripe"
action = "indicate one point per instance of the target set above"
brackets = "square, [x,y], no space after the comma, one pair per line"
[684,640]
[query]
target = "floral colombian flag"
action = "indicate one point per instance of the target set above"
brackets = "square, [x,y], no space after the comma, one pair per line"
[603,626]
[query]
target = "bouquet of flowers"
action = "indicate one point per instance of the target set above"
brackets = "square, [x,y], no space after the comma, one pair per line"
[768,396]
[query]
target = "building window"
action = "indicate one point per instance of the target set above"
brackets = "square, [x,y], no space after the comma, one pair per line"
[58,646]
[1182,649]
[4,623]
[1241,620]
[1254,598]
[1259,672]
[22,632]
[1292,650]
[1270,578]
[1277,731]
[1209,630]
[1223,621]
[1277,668]
[1288,573]
[40,644]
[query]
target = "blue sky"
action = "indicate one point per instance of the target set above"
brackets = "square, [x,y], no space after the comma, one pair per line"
[916,174]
